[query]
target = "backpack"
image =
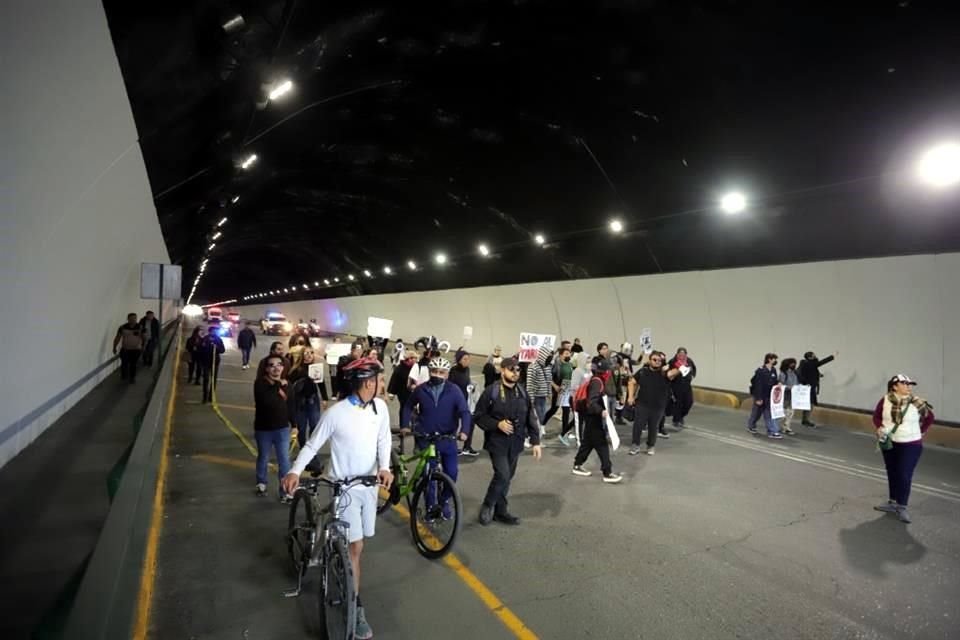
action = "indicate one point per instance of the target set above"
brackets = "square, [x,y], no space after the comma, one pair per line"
[580,397]
[753,383]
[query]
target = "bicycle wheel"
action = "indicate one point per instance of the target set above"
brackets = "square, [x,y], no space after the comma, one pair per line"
[386,499]
[300,531]
[338,596]
[435,527]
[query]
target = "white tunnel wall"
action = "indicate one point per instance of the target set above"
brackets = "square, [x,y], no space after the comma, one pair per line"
[884,315]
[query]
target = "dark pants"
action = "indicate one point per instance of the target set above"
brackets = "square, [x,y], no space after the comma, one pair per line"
[565,421]
[245,352]
[148,352]
[504,466]
[900,461]
[649,418]
[756,411]
[554,399]
[128,364]
[683,394]
[447,454]
[206,371]
[193,370]
[594,439]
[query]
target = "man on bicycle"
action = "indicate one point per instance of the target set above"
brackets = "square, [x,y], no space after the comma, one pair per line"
[359,432]
[442,409]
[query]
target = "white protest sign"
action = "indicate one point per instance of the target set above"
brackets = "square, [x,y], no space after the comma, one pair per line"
[335,350]
[315,371]
[646,340]
[800,397]
[776,402]
[611,428]
[467,332]
[530,344]
[379,327]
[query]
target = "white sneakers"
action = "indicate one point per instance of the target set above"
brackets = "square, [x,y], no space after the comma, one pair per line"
[580,471]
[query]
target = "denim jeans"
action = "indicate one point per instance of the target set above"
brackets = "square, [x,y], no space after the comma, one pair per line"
[279,440]
[764,410]
[307,419]
[246,355]
[540,406]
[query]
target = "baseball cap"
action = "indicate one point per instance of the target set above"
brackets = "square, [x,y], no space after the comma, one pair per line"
[601,364]
[901,378]
[508,363]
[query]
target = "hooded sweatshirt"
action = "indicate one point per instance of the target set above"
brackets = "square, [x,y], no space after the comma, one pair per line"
[538,375]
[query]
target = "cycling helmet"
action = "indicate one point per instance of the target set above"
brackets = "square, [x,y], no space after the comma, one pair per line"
[362,368]
[439,363]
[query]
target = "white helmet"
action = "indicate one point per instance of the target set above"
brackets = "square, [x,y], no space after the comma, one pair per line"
[439,363]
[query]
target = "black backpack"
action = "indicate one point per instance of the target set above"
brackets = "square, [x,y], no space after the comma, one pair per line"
[753,383]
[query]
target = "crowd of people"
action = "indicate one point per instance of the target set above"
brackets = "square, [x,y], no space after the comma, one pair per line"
[136,341]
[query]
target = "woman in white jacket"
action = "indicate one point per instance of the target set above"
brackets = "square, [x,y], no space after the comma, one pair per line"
[901,420]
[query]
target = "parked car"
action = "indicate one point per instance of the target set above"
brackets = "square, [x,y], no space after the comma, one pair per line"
[275,324]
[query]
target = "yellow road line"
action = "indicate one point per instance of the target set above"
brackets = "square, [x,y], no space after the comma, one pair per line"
[219,380]
[239,407]
[149,573]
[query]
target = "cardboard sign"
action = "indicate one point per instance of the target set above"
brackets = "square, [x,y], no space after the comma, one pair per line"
[800,397]
[646,340]
[530,344]
[335,350]
[776,402]
[379,327]
[315,371]
[612,434]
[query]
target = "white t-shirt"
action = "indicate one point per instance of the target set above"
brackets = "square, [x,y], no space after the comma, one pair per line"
[359,440]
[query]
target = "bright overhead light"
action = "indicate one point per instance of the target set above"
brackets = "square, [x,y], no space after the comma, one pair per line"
[616,226]
[326,282]
[940,165]
[412,265]
[234,24]
[367,273]
[192,311]
[246,164]
[235,199]
[733,202]
[217,235]
[316,284]
[387,270]
[539,239]
[441,258]
[351,278]
[222,222]
[212,245]
[281,89]
[305,287]
[336,279]
[272,293]
[483,249]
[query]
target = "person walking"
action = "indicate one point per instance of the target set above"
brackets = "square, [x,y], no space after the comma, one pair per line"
[594,414]
[397,387]
[129,340]
[506,416]
[763,381]
[682,386]
[247,342]
[538,384]
[460,376]
[901,420]
[193,345]
[343,386]
[271,422]
[581,375]
[808,372]
[307,397]
[648,391]
[150,327]
[788,378]
[211,348]
[565,394]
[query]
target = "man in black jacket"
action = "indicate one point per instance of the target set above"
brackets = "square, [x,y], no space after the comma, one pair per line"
[211,348]
[460,376]
[682,385]
[150,329]
[761,384]
[247,341]
[808,372]
[505,414]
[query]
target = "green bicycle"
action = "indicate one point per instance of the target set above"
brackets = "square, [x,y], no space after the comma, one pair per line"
[432,497]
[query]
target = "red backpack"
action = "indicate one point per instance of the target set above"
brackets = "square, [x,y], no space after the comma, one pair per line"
[580,397]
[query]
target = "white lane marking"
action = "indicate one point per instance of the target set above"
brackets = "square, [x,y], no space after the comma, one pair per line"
[817,455]
[953,496]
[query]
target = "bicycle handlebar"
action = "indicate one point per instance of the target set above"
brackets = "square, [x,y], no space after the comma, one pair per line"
[367,481]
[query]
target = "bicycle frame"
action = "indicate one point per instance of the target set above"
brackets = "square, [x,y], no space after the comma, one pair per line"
[407,481]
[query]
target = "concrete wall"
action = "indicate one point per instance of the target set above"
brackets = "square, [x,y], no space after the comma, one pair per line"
[884,315]
[76,213]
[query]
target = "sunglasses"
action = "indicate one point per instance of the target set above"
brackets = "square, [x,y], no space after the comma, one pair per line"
[512,369]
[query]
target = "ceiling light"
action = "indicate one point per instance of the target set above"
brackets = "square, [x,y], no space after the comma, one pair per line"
[285,290]
[539,239]
[281,89]
[616,226]
[212,245]
[336,279]
[351,278]
[326,282]
[388,271]
[222,222]
[441,258]
[246,164]
[940,166]
[412,265]
[483,249]
[235,199]
[733,202]
[305,287]
[316,284]
[217,235]
[234,24]
[367,273]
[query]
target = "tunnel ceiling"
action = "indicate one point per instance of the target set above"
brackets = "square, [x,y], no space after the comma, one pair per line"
[422,127]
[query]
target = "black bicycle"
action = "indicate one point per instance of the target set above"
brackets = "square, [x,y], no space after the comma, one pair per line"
[317,537]
[432,497]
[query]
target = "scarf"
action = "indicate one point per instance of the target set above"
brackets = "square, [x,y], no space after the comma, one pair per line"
[680,360]
[898,406]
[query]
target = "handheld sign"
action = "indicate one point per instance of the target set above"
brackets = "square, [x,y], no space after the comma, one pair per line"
[315,371]
[335,350]
[800,397]
[646,340]
[530,344]
[379,327]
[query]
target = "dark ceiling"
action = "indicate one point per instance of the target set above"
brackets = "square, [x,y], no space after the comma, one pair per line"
[417,127]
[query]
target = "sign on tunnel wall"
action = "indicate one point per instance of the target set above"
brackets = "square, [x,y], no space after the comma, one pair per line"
[530,344]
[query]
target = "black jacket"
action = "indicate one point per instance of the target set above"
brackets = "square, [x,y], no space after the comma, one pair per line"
[154,328]
[246,339]
[498,402]
[460,376]
[301,389]
[489,374]
[763,382]
[686,380]
[653,388]
[808,371]
[272,412]
[210,345]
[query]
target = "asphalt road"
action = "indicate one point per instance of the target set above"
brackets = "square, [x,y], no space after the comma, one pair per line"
[720,535]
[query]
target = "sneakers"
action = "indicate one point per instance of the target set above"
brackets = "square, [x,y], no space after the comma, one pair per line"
[789,431]
[469,451]
[664,435]
[261,489]
[613,478]
[634,450]
[904,515]
[650,451]
[807,423]
[752,429]
[526,443]
[362,631]
[775,436]
[285,499]
[563,440]
[889,507]
[578,470]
